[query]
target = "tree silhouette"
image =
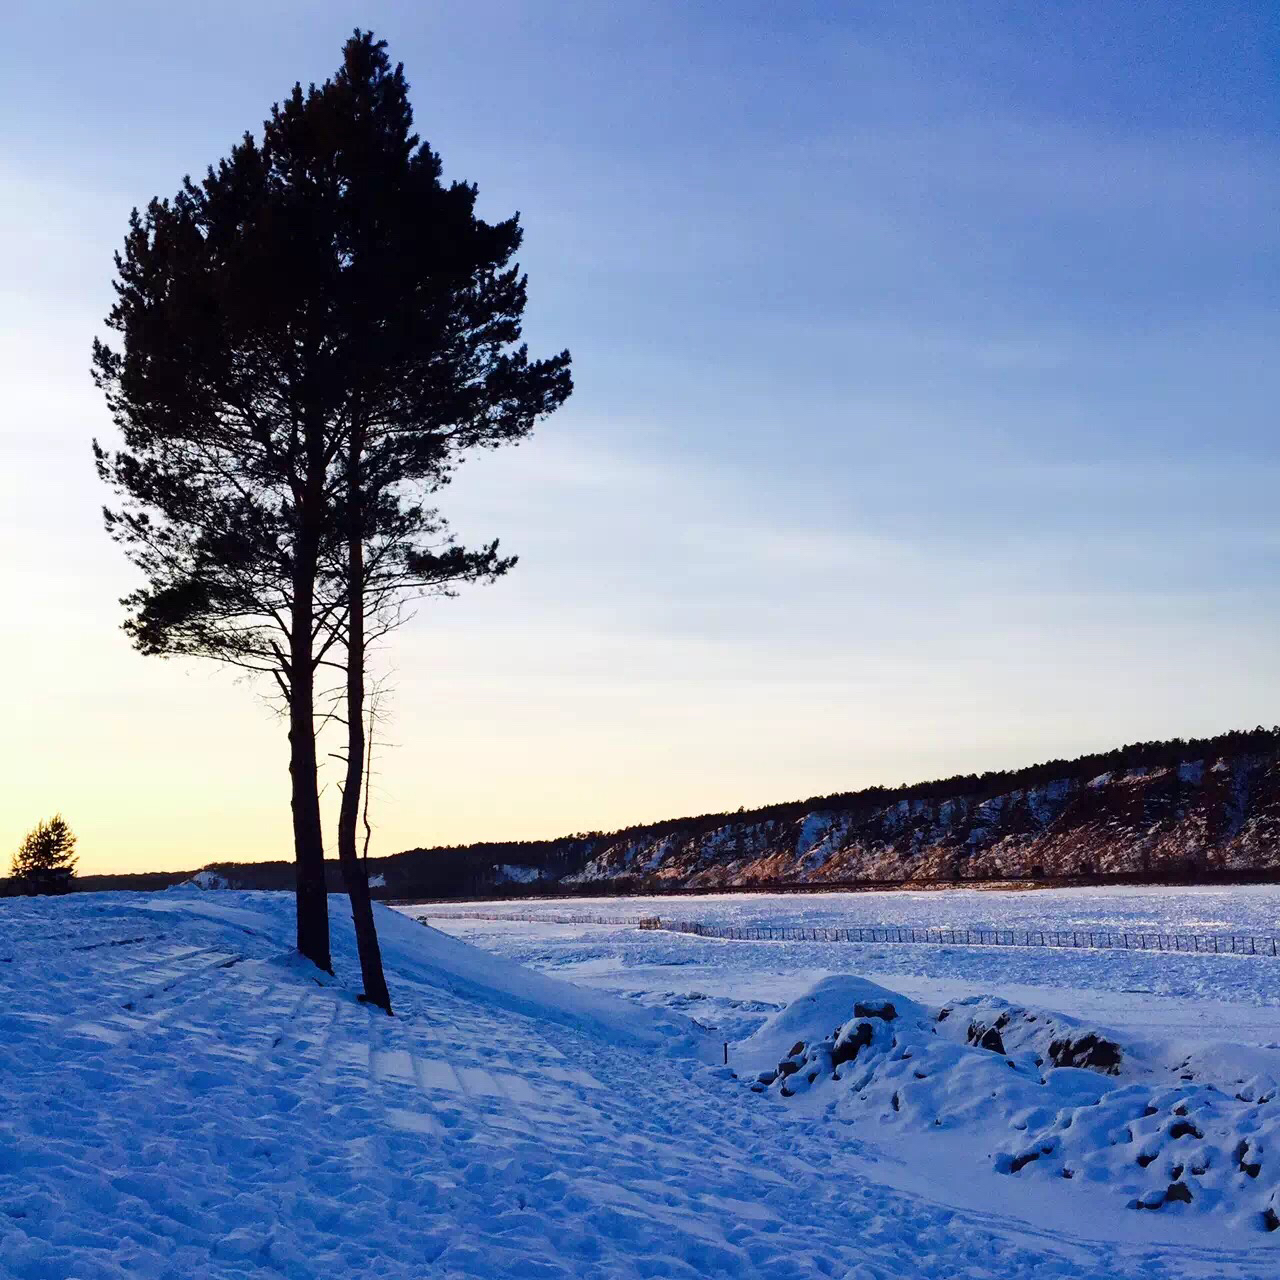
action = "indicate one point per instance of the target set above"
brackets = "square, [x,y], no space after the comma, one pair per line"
[311,338]
[45,861]
[432,318]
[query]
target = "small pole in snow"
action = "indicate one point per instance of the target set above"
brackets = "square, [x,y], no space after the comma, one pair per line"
[726,1053]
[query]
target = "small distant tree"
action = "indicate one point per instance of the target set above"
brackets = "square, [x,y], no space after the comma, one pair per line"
[46,860]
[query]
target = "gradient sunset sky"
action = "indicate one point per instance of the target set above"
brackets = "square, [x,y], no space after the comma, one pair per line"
[927,373]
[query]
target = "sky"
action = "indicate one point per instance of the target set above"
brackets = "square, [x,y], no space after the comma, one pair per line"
[924,423]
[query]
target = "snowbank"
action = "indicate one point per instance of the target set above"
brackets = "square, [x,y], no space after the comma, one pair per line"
[433,960]
[180,1095]
[1062,1099]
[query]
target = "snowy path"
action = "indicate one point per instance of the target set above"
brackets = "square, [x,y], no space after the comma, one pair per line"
[178,1098]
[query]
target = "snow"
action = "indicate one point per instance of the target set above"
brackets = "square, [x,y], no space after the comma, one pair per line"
[206,880]
[517,874]
[1199,1039]
[1189,1133]
[181,1096]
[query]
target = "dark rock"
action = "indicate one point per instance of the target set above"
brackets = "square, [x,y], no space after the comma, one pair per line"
[1184,1129]
[850,1043]
[985,1038]
[1091,1051]
[1252,1168]
[1270,1219]
[1021,1162]
[1178,1191]
[875,1009]
[796,1049]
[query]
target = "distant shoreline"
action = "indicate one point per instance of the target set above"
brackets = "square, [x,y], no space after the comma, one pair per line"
[1264,876]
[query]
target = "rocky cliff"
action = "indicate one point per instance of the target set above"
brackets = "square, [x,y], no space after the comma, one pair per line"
[1176,810]
[1179,810]
[1201,815]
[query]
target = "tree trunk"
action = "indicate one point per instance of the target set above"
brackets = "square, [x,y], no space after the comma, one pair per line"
[312,898]
[355,875]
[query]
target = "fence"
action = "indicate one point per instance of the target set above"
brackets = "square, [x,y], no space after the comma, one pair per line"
[1211,944]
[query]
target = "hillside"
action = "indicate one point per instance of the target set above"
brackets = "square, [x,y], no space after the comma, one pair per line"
[1183,809]
[183,1096]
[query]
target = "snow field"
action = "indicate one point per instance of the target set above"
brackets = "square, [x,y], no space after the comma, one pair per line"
[1243,909]
[181,1097]
[1185,1128]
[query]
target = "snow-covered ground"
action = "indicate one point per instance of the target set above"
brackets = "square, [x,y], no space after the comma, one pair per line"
[1252,909]
[179,1097]
[1201,1036]
[1149,990]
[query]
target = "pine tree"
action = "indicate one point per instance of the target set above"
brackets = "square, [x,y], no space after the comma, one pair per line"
[228,391]
[432,340]
[46,860]
[312,338]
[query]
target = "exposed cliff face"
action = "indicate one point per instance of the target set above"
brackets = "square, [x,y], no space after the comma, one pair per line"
[1175,810]
[1200,815]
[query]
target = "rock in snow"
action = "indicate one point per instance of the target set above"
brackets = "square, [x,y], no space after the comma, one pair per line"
[1058,1098]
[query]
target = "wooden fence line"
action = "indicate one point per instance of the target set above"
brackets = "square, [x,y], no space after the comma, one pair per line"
[1211,944]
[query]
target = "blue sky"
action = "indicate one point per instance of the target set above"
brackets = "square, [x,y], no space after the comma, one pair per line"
[925,417]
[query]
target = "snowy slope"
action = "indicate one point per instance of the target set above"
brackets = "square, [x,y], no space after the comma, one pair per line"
[180,1097]
[1186,1134]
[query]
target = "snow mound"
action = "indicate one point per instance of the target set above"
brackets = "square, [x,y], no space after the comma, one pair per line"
[1061,1099]
[810,1017]
[206,880]
[435,959]
[432,960]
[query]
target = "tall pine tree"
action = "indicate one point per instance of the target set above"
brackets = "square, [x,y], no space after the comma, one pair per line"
[311,337]
[46,860]
[433,304]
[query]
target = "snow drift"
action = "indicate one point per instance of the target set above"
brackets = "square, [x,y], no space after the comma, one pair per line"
[1062,1100]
